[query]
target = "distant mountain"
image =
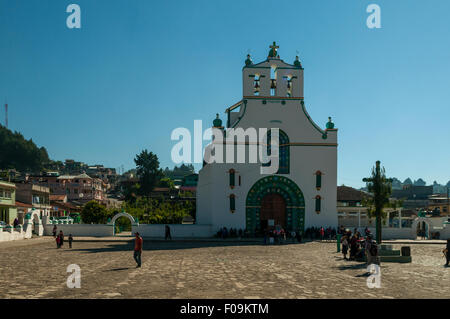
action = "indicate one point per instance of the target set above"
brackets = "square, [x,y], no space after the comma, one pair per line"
[397,184]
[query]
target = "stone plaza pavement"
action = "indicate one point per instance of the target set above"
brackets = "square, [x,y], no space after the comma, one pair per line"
[36,269]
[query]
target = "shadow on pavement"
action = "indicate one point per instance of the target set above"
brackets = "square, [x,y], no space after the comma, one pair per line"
[118,269]
[164,245]
[353,266]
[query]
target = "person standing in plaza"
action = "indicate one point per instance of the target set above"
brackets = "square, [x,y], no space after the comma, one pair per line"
[61,238]
[344,242]
[353,246]
[371,250]
[447,253]
[299,236]
[70,240]
[54,230]
[138,242]
[168,236]
[57,238]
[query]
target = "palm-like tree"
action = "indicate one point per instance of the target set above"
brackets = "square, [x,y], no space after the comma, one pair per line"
[381,188]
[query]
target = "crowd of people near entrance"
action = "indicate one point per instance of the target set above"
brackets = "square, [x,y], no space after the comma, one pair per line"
[322,233]
[224,233]
[281,236]
[358,246]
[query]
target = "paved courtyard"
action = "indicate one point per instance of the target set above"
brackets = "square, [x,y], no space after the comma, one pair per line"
[36,269]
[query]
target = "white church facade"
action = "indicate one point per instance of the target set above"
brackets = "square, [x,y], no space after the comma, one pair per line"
[302,193]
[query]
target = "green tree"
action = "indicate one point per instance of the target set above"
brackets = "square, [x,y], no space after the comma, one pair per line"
[179,172]
[166,182]
[18,153]
[148,171]
[95,213]
[153,211]
[381,188]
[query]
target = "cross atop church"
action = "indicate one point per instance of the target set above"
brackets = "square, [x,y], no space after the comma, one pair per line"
[273,50]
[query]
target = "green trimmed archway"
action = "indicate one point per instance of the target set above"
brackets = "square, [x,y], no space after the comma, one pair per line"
[293,197]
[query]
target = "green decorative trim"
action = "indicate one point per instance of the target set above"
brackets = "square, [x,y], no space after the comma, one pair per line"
[318,180]
[293,196]
[318,204]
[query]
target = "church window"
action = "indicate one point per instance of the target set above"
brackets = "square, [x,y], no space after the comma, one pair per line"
[232,203]
[232,173]
[239,180]
[318,180]
[318,203]
[289,85]
[273,80]
[283,152]
[256,85]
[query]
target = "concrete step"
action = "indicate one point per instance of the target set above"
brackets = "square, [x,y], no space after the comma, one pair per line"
[389,253]
[395,259]
[391,259]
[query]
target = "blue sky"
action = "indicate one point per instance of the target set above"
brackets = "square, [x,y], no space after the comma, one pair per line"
[138,69]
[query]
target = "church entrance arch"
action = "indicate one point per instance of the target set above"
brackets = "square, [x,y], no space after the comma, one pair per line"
[421,227]
[117,216]
[33,224]
[275,198]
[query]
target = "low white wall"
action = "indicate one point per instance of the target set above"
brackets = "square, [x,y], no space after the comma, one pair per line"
[407,233]
[444,232]
[176,230]
[390,232]
[94,230]
[12,234]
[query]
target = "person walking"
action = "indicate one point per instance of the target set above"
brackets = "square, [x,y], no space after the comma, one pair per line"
[371,250]
[446,252]
[344,242]
[57,238]
[54,230]
[138,249]
[168,236]
[61,238]
[70,240]
[353,247]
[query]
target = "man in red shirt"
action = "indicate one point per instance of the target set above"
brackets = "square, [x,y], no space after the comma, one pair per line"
[138,249]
